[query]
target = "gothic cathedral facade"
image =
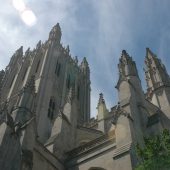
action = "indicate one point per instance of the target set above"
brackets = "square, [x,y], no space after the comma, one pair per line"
[45,119]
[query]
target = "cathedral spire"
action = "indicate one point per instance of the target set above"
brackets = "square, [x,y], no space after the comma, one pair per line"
[127,66]
[19,51]
[155,72]
[84,66]
[101,99]
[55,33]
[16,56]
[102,110]
[158,82]
[102,113]
[129,82]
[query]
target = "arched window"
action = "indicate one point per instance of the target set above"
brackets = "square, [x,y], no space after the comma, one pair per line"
[51,108]
[37,66]
[58,68]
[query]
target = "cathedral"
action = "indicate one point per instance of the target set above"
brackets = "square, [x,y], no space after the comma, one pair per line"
[45,119]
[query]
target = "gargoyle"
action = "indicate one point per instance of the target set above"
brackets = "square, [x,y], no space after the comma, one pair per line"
[16,127]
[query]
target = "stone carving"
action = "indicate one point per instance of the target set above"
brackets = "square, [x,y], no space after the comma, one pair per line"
[120,111]
[17,127]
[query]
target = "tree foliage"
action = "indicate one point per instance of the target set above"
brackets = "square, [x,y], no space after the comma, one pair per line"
[156,153]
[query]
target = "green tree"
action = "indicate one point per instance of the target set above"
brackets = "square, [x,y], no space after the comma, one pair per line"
[156,153]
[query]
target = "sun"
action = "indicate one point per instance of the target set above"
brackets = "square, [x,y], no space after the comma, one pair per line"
[28,17]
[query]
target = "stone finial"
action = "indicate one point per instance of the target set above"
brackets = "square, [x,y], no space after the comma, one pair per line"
[85,61]
[101,107]
[127,67]
[101,99]
[19,52]
[125,57]
[124,53]
[68,49]
[84,64]
[27,52]
[38,45]
[76,60]
[16,57]
[149,52]
[57,26]
[55,33]
[84,67]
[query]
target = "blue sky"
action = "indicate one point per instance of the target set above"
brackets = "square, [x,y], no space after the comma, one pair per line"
[97,29]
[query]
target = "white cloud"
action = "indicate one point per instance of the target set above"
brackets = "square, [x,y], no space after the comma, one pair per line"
[19,5]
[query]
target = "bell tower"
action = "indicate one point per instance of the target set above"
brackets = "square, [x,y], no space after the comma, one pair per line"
[158,82]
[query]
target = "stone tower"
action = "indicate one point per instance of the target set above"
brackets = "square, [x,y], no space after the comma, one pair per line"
[158,82]
[102,114]
[129,129]
[55,71]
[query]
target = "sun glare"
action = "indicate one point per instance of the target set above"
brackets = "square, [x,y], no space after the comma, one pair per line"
[28,17]
[19,5]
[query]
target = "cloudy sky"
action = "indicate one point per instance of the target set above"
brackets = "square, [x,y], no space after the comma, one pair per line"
[97,29]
